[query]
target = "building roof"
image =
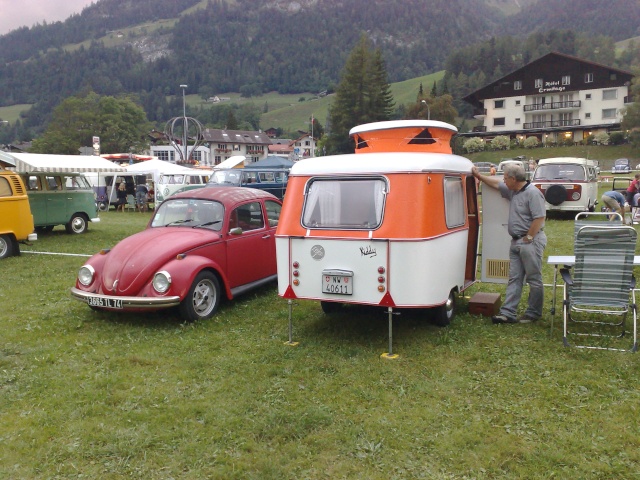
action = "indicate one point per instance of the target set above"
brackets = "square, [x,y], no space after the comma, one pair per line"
[242,137]
[547,67]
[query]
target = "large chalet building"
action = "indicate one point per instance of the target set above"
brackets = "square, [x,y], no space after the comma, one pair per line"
[554,98]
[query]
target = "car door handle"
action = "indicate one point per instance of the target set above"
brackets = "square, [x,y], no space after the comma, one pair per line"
[266,236]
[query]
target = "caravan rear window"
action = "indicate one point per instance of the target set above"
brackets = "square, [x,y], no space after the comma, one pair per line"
[352,204]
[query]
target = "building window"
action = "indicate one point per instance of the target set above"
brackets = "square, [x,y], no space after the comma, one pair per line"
[587,115]
[517,121]
[608,113]
[498,104]
[609,94]
[517,85]
[517,102]
[499,122]
[196,155]
[217,159]
[588,78]
[566,80]
[164,155]
[588,97]
[538,83]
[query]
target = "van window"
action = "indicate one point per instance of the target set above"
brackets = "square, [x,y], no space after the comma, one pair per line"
[344,203]
[5,188]
[566,172]
[454,202]
[53,183]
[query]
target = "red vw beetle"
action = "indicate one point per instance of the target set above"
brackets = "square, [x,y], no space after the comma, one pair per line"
[198,246]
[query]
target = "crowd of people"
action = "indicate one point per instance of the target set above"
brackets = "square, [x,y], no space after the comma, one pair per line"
[142,194]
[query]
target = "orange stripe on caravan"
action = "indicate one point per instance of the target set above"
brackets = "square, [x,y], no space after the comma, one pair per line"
[414,209]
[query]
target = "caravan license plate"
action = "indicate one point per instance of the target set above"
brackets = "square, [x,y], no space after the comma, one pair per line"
[104,302]
[337,284]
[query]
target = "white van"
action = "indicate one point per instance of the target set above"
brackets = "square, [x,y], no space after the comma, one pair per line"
[171,183]
[568,184]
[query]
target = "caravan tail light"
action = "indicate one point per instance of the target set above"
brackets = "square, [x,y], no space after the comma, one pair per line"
[381,280]
[296,273]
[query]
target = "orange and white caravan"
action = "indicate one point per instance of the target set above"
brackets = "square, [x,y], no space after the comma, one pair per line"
[393,225]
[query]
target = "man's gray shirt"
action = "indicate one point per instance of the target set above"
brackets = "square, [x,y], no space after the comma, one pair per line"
[525,205]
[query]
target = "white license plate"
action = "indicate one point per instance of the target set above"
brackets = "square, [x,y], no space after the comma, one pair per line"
[104,302]
[337,284]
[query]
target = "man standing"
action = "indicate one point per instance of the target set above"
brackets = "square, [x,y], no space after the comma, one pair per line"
[527,212]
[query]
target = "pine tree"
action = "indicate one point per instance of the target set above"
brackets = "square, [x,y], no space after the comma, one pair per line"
[363,95]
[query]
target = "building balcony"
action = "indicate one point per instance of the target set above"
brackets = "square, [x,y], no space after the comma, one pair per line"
[479,129]
[480,113]
[570,105]
[552,124]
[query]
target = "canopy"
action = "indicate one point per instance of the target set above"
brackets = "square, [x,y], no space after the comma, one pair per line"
[157,168]
[237,161]
[272,161]
[39,162]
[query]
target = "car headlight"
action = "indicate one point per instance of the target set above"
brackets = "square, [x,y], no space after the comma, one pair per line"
[85,275]
[161,281]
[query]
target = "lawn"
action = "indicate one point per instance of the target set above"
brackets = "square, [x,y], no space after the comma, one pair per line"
[87,394]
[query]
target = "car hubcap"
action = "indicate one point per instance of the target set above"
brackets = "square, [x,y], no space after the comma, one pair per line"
[77,224]
[4,246]
[204,298]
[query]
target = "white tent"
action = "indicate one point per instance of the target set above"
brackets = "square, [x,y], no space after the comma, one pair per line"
[156,168]
[237,161]
[39,162]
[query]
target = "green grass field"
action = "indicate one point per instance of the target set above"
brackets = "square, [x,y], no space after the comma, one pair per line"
[87,394]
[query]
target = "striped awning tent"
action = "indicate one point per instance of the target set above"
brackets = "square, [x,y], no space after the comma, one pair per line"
[37,162]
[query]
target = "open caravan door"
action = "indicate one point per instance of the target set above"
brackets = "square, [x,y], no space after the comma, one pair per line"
[495,237]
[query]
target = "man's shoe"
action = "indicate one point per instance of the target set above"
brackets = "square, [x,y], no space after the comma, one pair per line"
[503,319]
[527,319]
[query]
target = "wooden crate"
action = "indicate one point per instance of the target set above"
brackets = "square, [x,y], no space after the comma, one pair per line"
[487,304]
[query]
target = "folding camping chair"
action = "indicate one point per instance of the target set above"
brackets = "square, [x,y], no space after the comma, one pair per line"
[602,286]
[584,219]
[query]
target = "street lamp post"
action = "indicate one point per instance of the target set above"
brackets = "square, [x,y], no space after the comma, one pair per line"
[185,125]
[424,102]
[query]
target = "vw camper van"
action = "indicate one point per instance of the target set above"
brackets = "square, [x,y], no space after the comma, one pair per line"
[61,199]
[393,225]
[272,180]
[16,221]
[171,183]
[568,184]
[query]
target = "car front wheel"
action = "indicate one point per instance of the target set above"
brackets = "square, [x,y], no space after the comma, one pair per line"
[77,224]
[6,246]
[203,298]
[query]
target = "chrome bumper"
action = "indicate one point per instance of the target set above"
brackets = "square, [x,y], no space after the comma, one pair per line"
[129,302]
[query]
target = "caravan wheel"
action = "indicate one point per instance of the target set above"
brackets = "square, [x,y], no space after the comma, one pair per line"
[443,315]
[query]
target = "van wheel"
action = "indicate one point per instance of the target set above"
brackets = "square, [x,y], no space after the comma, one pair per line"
[203,299]
[6,246]
[103,206]
[443,315]
[77,224]
[331,307]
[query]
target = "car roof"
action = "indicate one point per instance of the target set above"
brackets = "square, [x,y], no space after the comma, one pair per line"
[226,195]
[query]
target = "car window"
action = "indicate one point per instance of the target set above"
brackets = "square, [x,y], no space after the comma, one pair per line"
[560,172]
[248,217]
[194,213]
[33,183]
[273,212]
[53,183]
[5,188]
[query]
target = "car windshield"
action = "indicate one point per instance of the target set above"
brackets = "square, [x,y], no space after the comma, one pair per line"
[623,162]
[171,179]
[225,177]
[574,173]
[189,212]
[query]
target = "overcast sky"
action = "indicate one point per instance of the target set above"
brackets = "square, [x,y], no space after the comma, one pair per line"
[19,13]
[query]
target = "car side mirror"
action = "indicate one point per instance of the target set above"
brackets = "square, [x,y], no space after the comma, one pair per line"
[235,231]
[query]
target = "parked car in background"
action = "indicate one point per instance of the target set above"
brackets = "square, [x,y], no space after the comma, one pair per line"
[171,183]
[568,184]
[621,165]
[16,221]
[61,199]
[272,180]
[199,246]
[485,167]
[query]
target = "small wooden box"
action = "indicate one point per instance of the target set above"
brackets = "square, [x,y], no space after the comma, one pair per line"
[487,304]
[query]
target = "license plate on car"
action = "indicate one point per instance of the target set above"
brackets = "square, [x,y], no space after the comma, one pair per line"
[104,302]
[338,282]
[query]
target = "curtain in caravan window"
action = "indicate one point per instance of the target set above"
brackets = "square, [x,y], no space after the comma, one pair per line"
[454,201]
[345,203]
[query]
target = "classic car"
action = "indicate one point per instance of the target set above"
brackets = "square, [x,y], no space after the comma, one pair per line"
[199,246]
[485,167]
[621,165]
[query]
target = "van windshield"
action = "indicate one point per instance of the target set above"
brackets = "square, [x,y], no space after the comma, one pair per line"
[171,179]
[344,203]
[225,177]
[568,172]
